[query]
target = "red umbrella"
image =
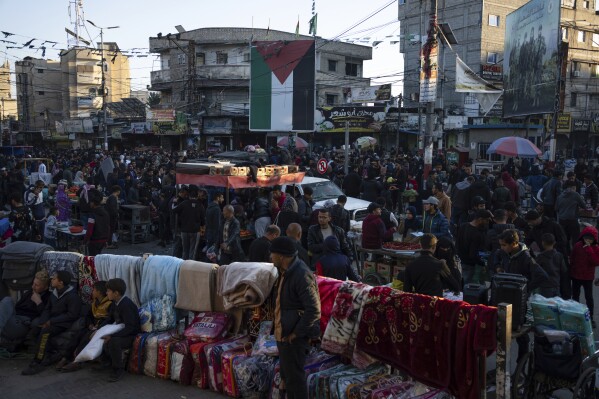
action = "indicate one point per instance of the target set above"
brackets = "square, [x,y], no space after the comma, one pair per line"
[514,147]
[300,144]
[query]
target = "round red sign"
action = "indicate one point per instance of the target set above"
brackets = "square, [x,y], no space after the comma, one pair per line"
[322,166]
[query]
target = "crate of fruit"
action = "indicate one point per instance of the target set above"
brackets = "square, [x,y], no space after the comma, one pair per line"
[402,248]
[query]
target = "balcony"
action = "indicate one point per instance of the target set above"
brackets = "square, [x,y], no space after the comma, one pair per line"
[223,72]
[161,76]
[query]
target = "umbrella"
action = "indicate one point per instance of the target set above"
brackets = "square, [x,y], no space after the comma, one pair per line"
[514,147]
[300,144]
[365,142]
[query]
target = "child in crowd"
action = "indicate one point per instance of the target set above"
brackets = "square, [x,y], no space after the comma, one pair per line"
[50,228]
[552,261]
[95,320]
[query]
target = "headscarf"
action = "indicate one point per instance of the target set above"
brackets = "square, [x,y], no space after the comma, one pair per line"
[85,190]
[79,178]
[289,204]
[412,224]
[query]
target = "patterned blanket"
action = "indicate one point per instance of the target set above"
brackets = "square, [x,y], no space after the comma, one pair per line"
[54,261]
[87,278]
[125,267]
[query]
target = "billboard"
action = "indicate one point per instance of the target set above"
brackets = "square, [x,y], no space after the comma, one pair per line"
[530,58]
[369,94]
[429,70]
[361,119]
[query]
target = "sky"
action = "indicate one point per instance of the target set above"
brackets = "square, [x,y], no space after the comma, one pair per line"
[140,19]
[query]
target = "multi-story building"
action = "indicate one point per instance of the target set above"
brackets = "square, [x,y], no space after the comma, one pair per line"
[222,77]
[8,104]
[479,28]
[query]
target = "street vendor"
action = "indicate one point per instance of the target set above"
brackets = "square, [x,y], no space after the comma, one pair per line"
[373,229]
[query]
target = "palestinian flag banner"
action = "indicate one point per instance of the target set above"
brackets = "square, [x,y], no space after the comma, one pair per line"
[282,86]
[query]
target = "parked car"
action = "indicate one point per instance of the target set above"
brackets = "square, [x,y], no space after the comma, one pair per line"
[324,190]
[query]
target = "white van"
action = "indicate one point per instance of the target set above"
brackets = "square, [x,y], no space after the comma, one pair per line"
[324,190]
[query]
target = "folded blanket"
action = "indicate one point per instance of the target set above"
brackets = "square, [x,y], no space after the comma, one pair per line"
[87,278]
[54,261]
[327,289]
[197,286]
[159,277]
[125,267]
[235,279]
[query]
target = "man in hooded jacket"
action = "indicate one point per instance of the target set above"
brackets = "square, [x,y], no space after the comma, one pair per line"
[333,263]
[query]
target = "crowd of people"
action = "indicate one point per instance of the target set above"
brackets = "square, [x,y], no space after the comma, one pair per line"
[521,219]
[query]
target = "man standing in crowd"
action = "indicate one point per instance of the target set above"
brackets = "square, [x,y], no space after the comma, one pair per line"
[319,232]
[339,215]
[304,209]
[540,225]
[567,205]
[260,247]
[426,274]
[214,219]
[297,314]
[434,221]
[444,200]
[551,190]
[98,225]
[352,183]
[192,216]
[294,231]
[229,240]
[470,242]
[261,213]
[373,229]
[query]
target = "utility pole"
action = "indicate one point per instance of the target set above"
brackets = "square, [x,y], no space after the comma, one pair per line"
[430,61]
[191,77]
[346,150]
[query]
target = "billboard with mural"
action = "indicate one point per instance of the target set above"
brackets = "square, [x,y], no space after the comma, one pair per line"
[360,119]
[529,58]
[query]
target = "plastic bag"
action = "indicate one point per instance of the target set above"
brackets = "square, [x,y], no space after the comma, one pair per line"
[208,327]
[94,348]
[265,344]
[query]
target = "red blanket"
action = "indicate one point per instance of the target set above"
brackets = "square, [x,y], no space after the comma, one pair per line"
[328,289]
[87,278]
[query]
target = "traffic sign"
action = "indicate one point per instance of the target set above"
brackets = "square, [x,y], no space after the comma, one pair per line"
[322,166]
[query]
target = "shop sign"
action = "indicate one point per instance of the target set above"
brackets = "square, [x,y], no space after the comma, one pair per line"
[361,119]
[581,125]
[492,72]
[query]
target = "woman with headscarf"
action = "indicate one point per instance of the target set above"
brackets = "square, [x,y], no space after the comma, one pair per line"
[287,215]
[510,183]
[410,224]
[85,210]
[63,203]
[446,251]
[79,180]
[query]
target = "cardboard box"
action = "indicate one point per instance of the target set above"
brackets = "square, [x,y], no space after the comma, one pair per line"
[292,168]
[369,267]
[241,171]
[396,269]
[384,269]
[216,170]
[261,172]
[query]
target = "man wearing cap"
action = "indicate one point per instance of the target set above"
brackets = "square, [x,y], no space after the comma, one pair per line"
[297,314]
[434,222]
[62,310]
[470,242]
[373,229]
[540,225]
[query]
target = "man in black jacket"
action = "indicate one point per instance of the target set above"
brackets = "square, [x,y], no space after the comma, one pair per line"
[294,231]
[98,225]
[339,215]
[192,215]
[260,247]
[214,219]
[318,233]
[426,274]
[16,319]
[124,311]
[470,242]
[542,225]
[229,240]
[62,310]
[297,314]
[352,184]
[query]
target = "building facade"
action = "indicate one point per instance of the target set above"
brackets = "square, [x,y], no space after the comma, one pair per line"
[479,29]
[8,105]
[219,75]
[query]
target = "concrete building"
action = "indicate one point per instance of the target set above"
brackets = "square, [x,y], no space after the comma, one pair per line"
[222,77]
[8,104]
[39,93]
[479,27]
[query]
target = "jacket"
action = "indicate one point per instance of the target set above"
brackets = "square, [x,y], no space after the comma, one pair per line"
[299,301]
[316,241]
[374,232]
[261,208]
[567,205]
[444,204]
[304,210]
[334,264]
[511,184]
[492,238]
[480,188]
[99,225]
[591,194]
[371,190]
[583,260]
[191,214]
[233,241]
[548,226]
[436,224]
[26,307]
[461,196]
[260,250]
[557,272]
[536,181]
[500,196]
[427,275]
[63,308]
[352,184]
[341,217]
[551,190]
[213,222]
[285,218]
[522,263]
[125,312]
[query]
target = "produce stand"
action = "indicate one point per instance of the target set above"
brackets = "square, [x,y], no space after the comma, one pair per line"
[384,265]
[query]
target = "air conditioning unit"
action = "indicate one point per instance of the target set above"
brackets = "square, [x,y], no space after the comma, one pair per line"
[576,74]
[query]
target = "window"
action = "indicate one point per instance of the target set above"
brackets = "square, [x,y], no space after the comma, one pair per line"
[331,99]
[401,2]
[493,20]
[182,95]
[594,70]
[40,71]
[181,59]
[351,69]
[573,99]
[246,57]
[200,58]
[595,38]
[482,152]
[491,58]
[41,93]
[582,35]
[568,3]
[222,58]
[332,66]
[565,34]
[93,92]
[585,4]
